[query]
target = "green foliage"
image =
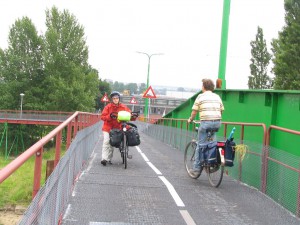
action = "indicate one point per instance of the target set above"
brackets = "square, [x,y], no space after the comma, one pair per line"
[71,82]
[143,88]
[51,70]
[260,60]
[132,87]
[286,49]
[21,65]
[118,86]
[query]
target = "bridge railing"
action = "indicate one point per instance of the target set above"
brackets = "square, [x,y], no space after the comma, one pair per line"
[73,123]
[34,115]
[278,178]
[274,172]
[52,199]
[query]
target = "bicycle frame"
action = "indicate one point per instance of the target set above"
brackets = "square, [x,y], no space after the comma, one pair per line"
[124,117]
[214,171]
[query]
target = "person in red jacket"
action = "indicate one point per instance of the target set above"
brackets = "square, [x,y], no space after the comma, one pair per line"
[110,122]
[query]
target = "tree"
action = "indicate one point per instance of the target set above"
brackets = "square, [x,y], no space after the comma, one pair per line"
[286,50]
[22,65]
[21,69]
[72,83]
[132,87]
[260,60]
[142,88]
[118,86]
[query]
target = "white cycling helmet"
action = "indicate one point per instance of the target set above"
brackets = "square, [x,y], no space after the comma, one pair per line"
[114,93]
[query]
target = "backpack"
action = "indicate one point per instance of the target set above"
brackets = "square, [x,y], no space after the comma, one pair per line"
[115,137]
[133,137]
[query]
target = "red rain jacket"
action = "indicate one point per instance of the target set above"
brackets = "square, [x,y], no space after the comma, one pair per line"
[110,123]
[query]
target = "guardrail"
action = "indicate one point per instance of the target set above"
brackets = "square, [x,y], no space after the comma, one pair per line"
[274,169]
[287,167]
[260,170]
[74,123]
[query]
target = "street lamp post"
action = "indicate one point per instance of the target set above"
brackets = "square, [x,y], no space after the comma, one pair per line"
[146,109]
[22,95]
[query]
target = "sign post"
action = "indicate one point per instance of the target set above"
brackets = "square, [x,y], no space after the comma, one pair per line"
[149,93]
[105,99]
[133,101]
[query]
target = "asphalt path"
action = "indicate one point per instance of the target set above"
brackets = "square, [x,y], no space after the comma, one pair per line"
[155,189]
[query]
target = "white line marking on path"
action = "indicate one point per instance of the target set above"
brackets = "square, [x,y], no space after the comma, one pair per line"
[145,157]
[187,217]
[172,191]
[138,149]
[154,168]
[170,187]
[184,213]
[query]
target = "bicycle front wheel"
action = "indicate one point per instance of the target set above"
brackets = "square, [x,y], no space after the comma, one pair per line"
[189,158]
[125,153]
[122,147]
[215,174]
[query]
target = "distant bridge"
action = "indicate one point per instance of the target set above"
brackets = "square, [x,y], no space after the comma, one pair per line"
[33,117]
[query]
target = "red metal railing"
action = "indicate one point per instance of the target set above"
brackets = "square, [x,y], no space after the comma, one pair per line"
[74,123]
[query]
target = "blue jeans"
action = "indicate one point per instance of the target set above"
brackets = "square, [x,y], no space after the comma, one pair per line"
[202,139]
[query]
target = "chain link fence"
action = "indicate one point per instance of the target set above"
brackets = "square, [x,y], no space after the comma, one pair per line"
[282,169]
[52,199]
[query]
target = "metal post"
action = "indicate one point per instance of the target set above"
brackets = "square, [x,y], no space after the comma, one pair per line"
[22,95]
[146,112]
[224,40]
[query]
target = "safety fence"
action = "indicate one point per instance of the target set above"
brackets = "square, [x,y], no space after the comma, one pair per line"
[28,115]
[52,199]
[274,172]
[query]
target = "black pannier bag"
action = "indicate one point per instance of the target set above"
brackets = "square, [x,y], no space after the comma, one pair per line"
[115,137]
[229,153]
[209,152]
[133,137]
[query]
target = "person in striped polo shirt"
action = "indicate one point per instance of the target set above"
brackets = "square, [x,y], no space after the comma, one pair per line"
[210,108]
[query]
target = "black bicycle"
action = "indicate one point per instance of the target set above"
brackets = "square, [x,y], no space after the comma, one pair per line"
[213,169]
[124,117]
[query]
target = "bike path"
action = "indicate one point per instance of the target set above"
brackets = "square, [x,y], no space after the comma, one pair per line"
[155,189]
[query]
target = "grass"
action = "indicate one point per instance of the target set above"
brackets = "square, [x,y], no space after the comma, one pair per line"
[17,189]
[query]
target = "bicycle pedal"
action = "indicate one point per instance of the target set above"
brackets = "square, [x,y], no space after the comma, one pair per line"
[129,156]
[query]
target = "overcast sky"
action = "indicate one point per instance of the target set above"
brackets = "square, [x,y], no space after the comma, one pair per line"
[187,32]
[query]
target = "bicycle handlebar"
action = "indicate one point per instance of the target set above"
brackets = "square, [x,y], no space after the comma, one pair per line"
[114,115]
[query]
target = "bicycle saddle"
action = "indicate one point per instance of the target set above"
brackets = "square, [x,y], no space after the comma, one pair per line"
[212,130]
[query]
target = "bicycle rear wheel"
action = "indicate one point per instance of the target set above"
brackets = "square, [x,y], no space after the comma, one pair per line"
[189,158]
[215,174]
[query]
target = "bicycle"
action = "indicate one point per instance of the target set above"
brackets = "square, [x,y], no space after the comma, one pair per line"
[124,117]
[215,169]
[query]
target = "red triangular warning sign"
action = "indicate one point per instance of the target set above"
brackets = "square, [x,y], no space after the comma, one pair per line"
[149,93]
[133,101]
[105,98]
